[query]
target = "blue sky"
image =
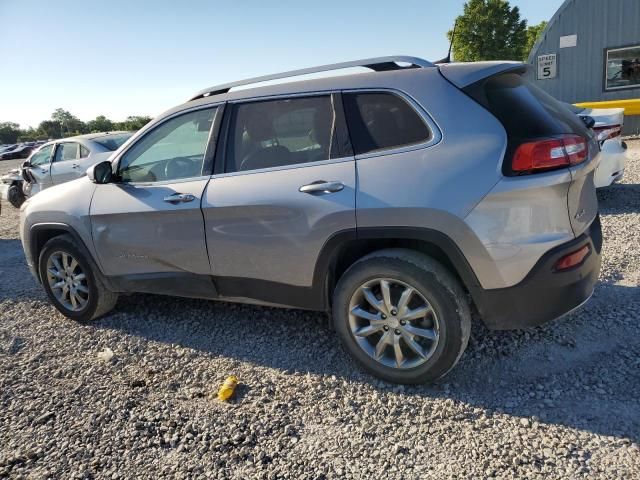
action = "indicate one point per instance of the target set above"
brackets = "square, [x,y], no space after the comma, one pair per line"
[126,57]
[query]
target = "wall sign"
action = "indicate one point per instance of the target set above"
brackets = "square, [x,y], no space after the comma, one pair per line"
[568,41]
[547,66]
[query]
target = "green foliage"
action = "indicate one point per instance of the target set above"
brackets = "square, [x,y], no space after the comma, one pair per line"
[133,123]
[100,124]
[50,128]
[64,124]
[533,33]
[9,132]
[489,30]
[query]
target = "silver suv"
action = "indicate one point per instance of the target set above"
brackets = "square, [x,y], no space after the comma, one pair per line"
[398,200]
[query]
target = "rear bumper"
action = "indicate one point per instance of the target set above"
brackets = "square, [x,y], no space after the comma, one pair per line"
[612,162]
[545,295]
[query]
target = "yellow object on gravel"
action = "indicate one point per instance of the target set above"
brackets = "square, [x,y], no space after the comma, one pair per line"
[227,388]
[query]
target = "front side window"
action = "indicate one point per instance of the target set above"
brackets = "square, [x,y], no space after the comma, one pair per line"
[277,133]
[66,151]
[622,68]
[171,151]
[379,121]
[42,156]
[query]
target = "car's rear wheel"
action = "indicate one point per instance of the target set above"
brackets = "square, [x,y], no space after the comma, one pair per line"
[72,282]
[402,315]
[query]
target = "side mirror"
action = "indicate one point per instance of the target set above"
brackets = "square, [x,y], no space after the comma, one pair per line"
[26,164]
[100,173]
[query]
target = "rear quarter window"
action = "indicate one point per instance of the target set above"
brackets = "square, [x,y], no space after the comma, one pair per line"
[381,121]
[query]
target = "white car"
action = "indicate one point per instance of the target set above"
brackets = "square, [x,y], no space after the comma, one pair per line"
[608,126]
[67,159]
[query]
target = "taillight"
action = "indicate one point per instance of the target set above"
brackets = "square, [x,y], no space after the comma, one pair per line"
[549,154]
[573,259]
[607,132]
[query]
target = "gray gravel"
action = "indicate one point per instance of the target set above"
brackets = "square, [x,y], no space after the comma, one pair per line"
[559,401]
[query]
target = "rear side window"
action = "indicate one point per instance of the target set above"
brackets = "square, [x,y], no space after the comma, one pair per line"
[283,132]
[112,142]
[379,121]
[66,151]
[84,152]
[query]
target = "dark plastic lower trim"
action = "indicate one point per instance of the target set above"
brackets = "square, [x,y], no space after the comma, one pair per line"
[545,294]
[177,284]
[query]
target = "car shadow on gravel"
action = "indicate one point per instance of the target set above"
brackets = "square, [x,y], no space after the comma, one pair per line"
[561,373]
[619,198]
[15,279]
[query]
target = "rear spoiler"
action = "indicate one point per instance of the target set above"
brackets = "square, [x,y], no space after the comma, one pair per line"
[464,74]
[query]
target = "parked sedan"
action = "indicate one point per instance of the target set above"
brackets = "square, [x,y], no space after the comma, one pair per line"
[20,151]
[608,128]
[67,159]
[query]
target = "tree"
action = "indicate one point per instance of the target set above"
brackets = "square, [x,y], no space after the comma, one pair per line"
[50,128]
[489,30]
[133,123]
[533,33]
[68,122]
[9,132]
[100,124]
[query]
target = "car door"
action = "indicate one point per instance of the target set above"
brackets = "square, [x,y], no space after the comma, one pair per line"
[147,225]
[285,185]
[64,166]
[40,168]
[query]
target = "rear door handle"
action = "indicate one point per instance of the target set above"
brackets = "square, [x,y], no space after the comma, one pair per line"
[75,165]
[322,187]
[180,198]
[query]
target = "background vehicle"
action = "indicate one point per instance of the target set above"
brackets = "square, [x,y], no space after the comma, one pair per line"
[608,128]
[472,186]
[7,147]
[19,151]
[11,187]
[67,159]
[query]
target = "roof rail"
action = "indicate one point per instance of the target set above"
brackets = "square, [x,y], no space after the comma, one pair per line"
[380,64]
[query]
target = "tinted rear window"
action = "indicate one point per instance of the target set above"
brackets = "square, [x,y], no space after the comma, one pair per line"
[112,142]
[379,121]
[524,110]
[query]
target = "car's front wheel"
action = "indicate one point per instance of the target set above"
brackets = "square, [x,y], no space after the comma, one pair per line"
[72,282]
[15,196]
[402,316]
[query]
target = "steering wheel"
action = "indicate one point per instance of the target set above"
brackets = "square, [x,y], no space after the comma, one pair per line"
[178,167]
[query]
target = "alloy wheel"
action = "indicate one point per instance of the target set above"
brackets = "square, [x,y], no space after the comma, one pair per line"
[67,281]
[393,323]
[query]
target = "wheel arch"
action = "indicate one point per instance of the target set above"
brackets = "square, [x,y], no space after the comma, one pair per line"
[346,247]
[41,233]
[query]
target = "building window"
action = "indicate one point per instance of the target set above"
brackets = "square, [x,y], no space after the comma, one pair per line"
[622,68]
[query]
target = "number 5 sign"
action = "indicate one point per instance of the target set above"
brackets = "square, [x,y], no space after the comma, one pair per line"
[547,66]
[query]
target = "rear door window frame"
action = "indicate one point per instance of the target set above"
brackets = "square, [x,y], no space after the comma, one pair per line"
[61,145]
[345,151]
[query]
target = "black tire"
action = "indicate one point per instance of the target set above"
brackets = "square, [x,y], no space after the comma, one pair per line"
[435,283]
[15,196]
[100,300]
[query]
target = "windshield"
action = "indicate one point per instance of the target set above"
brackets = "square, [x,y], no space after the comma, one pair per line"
[112,142]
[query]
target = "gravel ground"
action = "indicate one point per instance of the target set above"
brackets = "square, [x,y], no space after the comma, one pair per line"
[560,401]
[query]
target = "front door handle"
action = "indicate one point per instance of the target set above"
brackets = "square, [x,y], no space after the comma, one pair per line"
[180,198]
[44,170]
[322,187]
